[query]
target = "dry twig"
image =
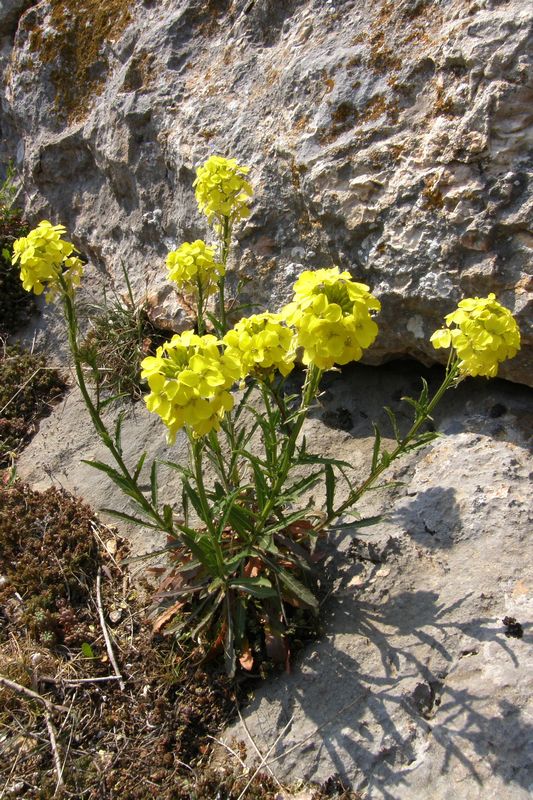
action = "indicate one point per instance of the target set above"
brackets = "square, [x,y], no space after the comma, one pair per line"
[254,745]
[264,758]
[109,646]
[19,689]
[55,751]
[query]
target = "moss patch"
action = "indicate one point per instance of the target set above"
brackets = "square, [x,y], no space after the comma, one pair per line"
[34,528]
[28,389]
[16,305]
[74,46]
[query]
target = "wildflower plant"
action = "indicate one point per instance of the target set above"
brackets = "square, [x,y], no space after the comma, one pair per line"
[242,547]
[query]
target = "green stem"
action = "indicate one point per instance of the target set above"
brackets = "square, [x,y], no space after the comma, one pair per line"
[312,381]
[196,448]
[224,252]
[99,425]
[449,380]
[200,309]
[214,444]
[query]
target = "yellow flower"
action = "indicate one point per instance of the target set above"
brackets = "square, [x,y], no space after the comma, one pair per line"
[261,344]
[43,256]
[189,378]
[193,268]
[222,189]
[484,334]
[332,317]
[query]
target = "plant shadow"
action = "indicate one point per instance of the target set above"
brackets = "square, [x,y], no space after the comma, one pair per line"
[388,686]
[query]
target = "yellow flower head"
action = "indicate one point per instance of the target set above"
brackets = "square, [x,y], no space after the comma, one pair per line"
[485,333]
[261,344]
[222,189]
[193,268]
[332,317]
[189,378]
[43,256]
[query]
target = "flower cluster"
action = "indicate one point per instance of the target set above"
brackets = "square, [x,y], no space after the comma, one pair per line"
[332,317]
[222,189]
[189,378]
[193,268]
[43,256]
[485,334]
[261,344]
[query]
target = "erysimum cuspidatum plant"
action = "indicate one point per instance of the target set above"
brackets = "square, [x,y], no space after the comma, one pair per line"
[243,571]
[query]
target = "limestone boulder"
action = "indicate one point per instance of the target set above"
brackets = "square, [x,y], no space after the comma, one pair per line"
[392,139]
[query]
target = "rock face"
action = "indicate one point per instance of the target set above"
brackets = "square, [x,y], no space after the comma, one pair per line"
[393,139]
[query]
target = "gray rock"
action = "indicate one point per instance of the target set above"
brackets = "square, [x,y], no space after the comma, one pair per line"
[391,139]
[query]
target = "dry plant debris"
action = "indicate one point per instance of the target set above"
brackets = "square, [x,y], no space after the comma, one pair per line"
[28,390]
[16,304]
[83,736]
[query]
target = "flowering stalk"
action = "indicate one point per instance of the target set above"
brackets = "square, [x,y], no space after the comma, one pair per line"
[96,419]
[385,459]
[225,242]
[312,380]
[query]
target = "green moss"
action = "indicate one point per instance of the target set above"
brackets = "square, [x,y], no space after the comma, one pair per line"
[74,47]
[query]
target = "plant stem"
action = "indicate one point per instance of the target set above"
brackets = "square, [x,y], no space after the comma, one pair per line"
[101,429]
[207,516]
[449,380]
[200,311]
[224,252]
[312,379]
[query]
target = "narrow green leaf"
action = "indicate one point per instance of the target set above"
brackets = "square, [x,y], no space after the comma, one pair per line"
[111,399]
[296,516]
[261,486]
[102,467]
[296,588]
[153,554]
[310,458]
[168,517]
[227,507]
[299,487]
[185,505]
[153,483]
[366,522]
[139,466]
[258,587]
[183,471]
[330,489]
[130,518]
[394,423]
[193,497]
[377,445]
[385,458]
[118,432]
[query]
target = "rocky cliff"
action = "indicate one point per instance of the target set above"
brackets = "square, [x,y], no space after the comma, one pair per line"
[393,139]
